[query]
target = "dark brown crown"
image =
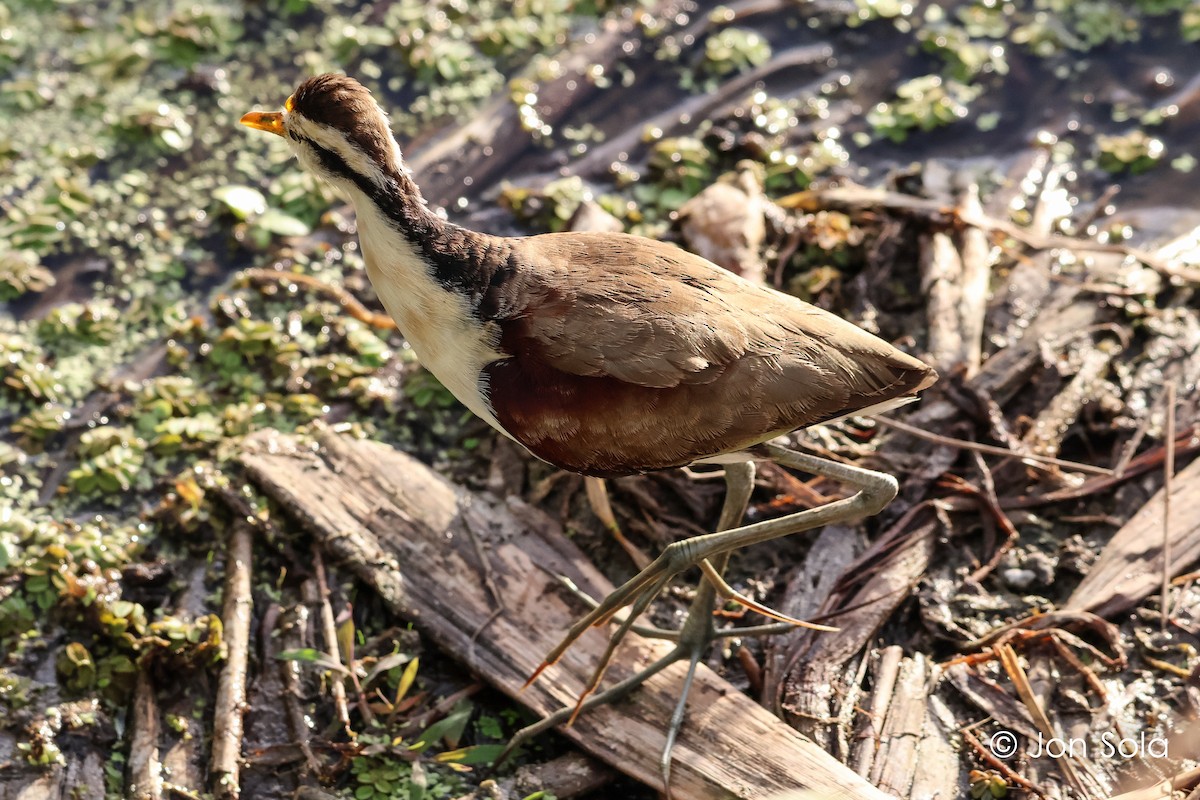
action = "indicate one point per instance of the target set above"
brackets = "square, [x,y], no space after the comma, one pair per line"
[346,105]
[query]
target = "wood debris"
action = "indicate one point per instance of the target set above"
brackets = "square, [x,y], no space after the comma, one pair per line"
[402,529]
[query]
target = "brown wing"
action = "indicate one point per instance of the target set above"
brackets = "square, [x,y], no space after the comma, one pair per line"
[631,355]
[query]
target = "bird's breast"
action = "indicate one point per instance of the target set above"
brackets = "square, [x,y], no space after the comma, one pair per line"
[454,350]
[448,338]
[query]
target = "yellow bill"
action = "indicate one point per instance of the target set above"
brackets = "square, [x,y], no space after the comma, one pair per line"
[269,121]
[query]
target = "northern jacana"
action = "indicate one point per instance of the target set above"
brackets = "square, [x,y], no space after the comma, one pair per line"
[606,354]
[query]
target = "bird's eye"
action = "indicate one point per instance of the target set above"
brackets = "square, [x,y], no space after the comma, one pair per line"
[287,105]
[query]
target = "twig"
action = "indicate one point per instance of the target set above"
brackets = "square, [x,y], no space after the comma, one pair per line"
[1016,673]
[1168,474]
[1131,446]
[230,702]
[751,667]
[942,287]
[974,251]
[990,449]
[883,678]
[1054,621]
[1005,770]
[855,197]
[849,708]
[347,301]
[1186,444]
[987,496]
[144,776]
[329,634]
[1084,245]
[438,710]
[597,495]
[1164,789]
[567,776]
[298,725]
[1046,434]
[1077,664]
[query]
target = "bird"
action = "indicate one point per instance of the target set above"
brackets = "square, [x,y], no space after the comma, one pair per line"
[607,354]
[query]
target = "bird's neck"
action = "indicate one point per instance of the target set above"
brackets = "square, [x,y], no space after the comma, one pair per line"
[439,283]
[415,243]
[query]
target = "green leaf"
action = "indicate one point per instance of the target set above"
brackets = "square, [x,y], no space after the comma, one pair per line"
[312,656]
[385,664]
[477,754]
[449,728]
[243,201]
[277,222]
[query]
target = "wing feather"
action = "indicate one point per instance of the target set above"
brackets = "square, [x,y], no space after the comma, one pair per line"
[628,354]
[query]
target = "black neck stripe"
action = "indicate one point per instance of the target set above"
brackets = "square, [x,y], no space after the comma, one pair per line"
[463,261]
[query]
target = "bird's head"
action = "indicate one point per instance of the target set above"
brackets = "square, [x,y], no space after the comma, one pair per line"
[337,130]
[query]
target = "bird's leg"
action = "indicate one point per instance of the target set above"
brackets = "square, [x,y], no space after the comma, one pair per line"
[692,638]
[698,630]
[874,491]
[739,483]
[646,631]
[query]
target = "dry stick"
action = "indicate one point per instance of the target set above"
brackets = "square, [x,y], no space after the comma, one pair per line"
[1167,666]
[329,634]
[185,758]
[230,702]
[883,676]
[296,720]
[1027,638]
[1046,434]
[1055,621]
[439,709]
[347,301]
[990,449]
[857,198]
[989,500]
[1131,446]
[849,708]
[597,495]
[1005,770]
[1164,789]
[567,776]
[941,284]
[752,670]
[1168,474]
[974,251]
[144,775]
[1077,664]
[1016,673]
[1099,208]
[1186,444]
[1086,245]
[897,765]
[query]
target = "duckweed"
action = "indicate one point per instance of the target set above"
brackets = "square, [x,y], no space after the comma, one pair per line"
[131,194]
[1135,151]
[923,103]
